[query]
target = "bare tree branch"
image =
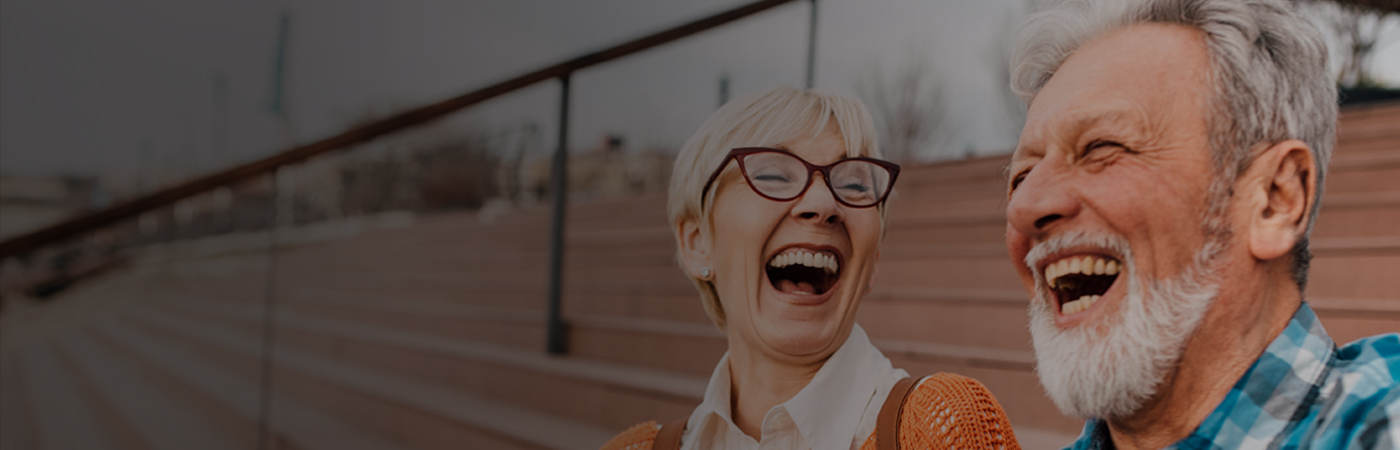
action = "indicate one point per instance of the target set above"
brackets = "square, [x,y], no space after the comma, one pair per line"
[908,105]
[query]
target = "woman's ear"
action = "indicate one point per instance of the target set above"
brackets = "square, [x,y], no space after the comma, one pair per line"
[693,249]
[1282,187]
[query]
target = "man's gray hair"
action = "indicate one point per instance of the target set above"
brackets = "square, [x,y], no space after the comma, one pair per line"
[1269,66]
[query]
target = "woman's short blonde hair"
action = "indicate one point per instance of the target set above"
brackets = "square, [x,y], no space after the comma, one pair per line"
[767,119]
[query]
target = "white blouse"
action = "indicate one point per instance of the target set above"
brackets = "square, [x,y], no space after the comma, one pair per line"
[836,411]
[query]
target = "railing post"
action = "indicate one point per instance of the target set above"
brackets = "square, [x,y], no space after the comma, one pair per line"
[812,46]
[554,337]
[269,336]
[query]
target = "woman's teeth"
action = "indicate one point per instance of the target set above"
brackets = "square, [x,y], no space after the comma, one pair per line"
[1079,305]
[815,260]
[1087,265]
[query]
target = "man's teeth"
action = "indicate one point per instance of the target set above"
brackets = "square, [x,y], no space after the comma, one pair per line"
[817,260]
[1079,305]
[1087,265]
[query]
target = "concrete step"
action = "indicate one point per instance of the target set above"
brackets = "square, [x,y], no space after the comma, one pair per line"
[411,412]
[1349,319]
[1364,121]
[1358,276]
[954,172]
[514,292]
[528,293]
[944,235]
[607,395]
[681,303]
[1366,172]
[62,411]
[14,415]
[158,419]
[969,266]
[684,346]
[983,196]
[1372,138]
[943,316]
[1379,144]
[908,221]
[292,421]
[613,210]
[1368,214]
[517,327]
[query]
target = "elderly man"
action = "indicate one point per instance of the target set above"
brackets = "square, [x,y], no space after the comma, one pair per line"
[1161,198]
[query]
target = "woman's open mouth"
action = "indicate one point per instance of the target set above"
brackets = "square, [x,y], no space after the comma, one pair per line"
[803,271]
[1077,282]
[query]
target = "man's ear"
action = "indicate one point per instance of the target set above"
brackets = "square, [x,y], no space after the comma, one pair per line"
[693,248]
[1281,188]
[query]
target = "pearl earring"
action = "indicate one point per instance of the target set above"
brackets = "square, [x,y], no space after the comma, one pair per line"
[705,272]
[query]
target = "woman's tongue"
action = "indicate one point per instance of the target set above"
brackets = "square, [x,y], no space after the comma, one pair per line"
[800,287]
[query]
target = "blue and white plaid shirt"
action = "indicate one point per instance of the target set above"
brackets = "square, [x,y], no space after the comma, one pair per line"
[1302,393]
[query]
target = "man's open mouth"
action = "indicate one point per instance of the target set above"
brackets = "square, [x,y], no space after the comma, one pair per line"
[1079,281]
[802,271]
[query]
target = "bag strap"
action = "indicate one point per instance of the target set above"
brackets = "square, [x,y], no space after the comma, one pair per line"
[887,424]
[669,438]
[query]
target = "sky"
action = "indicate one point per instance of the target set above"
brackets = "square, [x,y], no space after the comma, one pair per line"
[88,87]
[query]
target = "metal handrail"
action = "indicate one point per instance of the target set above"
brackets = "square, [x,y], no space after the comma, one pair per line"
[70,228]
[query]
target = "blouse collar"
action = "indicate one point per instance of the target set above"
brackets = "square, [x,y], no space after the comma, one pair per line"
[827,412]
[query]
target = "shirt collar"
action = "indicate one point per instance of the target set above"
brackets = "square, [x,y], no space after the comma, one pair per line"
[1283,379]
[1280,382]
[716,401]
[828,410]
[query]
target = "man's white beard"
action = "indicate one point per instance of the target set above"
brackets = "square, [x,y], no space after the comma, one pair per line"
[1109,368]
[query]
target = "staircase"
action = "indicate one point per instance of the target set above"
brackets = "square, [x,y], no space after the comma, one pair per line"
[430,335]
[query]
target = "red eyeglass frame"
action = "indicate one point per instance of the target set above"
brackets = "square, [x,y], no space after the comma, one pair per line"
[738,154]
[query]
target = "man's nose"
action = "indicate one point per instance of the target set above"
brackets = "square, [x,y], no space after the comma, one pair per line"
[817,206]
[1044,199]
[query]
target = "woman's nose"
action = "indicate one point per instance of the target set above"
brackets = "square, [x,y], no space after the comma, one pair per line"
[817,206]
[1044,199]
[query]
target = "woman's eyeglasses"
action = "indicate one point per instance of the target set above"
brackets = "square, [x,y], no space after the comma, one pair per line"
[781,176]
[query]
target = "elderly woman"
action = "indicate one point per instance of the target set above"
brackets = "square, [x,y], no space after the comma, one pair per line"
[778,205]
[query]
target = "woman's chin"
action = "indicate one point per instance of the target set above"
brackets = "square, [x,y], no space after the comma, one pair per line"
[802,339]
[802,328]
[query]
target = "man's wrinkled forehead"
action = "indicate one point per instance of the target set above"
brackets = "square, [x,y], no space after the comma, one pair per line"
[1135,75]
[1106,110]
